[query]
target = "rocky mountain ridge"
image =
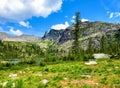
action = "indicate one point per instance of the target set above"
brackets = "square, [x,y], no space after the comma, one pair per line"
[87,29]
[26,38]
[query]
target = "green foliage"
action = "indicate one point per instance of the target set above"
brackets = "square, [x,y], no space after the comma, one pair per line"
[87,86]
[42,64]
[104,80]
[9,84]
[19,50]
[19,83]
[87,57]
[103,44]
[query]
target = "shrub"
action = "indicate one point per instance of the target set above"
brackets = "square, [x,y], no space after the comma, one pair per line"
[86,57]
[104,80]
[116,81]
[42,64]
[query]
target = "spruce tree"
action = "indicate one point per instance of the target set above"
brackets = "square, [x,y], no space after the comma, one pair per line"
[103,44]
[76,36]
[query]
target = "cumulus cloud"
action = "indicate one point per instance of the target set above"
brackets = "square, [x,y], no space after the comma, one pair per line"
[25,24]
[84,20]
[15,32]
[60,26]
[17,10]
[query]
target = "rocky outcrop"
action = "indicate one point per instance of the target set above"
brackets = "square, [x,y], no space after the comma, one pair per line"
[53,35]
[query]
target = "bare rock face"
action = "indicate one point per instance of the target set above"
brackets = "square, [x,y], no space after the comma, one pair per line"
[87,30]
[53,35]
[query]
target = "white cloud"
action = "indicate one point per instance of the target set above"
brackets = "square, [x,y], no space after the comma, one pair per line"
[84,20]
[24,24]
[111,15]
[16,32]
[114,14]
[73,19]
[60,26]
[17,10]
[117,14]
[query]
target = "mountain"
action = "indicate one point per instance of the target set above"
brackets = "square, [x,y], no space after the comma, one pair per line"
[27,38]
[87,29]
[93,30]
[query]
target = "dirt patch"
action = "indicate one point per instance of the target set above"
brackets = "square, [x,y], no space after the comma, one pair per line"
[78,83]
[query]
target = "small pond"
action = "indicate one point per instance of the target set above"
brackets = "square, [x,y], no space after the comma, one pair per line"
[16,61]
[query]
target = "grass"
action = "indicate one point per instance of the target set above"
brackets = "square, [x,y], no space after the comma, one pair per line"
[106,74]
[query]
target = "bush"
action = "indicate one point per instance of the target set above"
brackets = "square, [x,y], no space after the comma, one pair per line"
[28,61]
[42,64]
[87,57]
[104,80]
[116,81]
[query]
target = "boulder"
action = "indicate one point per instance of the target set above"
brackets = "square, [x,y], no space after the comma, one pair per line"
[91,63]
[100,56]
[44,81]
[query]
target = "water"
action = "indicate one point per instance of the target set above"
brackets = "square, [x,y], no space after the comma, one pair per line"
[15,61]
[38,60]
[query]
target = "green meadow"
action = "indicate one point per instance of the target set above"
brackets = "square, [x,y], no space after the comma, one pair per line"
[76,74]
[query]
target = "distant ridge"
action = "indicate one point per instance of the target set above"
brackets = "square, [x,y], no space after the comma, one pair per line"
[24,37]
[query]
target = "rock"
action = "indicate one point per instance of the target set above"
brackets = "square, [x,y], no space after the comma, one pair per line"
[100,56]
[44,81]
[65,78]
[13,75]
[86,76]
[91,63]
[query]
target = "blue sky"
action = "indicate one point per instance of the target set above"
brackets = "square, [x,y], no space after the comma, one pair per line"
[35,17]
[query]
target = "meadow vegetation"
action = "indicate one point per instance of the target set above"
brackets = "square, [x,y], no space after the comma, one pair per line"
[67,74]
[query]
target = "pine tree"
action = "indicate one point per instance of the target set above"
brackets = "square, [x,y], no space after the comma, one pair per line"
[76,36]
[90,47]
[103,44]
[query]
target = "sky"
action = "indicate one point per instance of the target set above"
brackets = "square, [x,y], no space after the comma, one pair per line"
[35,17]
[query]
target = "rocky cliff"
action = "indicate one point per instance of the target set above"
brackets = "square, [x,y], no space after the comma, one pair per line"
[87,29]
